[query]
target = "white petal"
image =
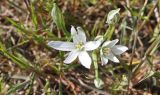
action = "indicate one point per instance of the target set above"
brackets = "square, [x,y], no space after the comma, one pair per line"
[104,60]
[91,45]
[112,14]
[85,59]
[81,34]
[110,44]
[63,46]
[119,49]
[112,57]
[71,56]
[99,38]
[74,34]
[73,31]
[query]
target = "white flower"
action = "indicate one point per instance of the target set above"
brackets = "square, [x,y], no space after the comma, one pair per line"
[78,48]
[109,50]
[113,16]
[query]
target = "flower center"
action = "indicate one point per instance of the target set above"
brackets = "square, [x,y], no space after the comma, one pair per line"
[80,46]
[106,51]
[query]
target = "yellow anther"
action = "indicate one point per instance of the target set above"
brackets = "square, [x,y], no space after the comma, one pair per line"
[106,51]
[80,46]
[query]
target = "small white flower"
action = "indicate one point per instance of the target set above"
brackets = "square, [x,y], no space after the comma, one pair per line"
[113,16]
[78,48]
[109,50]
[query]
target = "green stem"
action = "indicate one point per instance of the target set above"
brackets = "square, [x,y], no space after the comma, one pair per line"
[60,76]
[109,32]
[94,56]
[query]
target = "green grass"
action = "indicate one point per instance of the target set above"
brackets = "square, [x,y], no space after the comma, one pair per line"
[27,27]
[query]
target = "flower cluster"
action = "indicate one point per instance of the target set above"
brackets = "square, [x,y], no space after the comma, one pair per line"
[80,47]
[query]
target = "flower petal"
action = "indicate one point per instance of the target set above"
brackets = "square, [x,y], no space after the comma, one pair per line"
[81,34]
[91,45]
[112,57]
[104,60]
[73,31]
[112,15]
[110,44]
[63,46]
[119,49]
[71,56]
[99,38]
[74,34]
[85,59]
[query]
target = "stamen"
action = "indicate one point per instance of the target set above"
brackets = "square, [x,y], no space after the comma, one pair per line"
[106,51]
[80,46]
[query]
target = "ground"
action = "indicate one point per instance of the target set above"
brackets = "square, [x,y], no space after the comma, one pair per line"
[28,66]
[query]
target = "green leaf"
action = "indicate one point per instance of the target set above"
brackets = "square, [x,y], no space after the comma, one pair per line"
[157,74]
[17,86]
[93,1]
[17,25]
[58,18]
[149,74]
[1,84]
[109,32]
[34,16]
[17,59]
[155,34]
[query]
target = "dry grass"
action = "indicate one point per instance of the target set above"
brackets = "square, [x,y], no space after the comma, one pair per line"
[29,67]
